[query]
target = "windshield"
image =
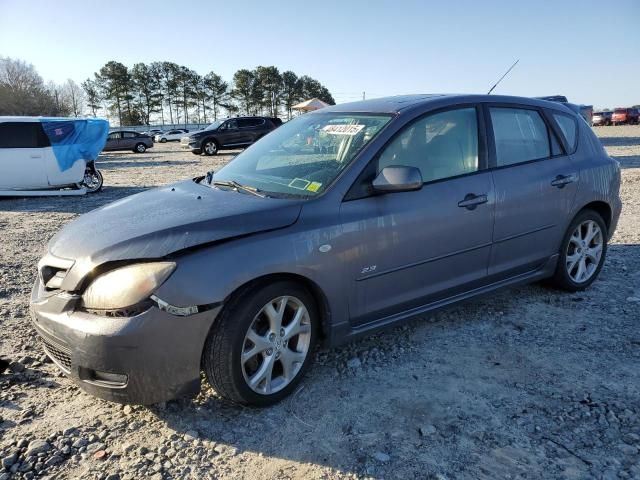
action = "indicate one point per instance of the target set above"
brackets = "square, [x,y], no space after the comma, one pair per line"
[305,155]
[214,125]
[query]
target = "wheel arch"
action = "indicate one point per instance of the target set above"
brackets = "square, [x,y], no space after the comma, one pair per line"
[312,287]
[601,208]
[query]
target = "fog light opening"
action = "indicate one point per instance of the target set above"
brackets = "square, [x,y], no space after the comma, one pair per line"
[105,379]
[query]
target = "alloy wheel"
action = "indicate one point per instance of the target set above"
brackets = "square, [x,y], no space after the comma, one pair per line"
[276,345]
[210,148]
[584,251]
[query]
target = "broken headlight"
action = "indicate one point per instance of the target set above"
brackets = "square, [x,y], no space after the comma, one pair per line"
[126,286]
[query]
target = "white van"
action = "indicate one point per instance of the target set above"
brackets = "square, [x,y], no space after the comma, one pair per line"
[50,156]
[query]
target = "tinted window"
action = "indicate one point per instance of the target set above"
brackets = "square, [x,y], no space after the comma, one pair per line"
[113,136]
[230,124]
[22,135]
[244,122]
[129,134]
[520,135]
[441,145]
[569,129]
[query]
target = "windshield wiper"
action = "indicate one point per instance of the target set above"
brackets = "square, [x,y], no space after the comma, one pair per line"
[238,186]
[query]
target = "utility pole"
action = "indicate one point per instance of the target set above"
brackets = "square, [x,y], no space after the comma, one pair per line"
[364,96]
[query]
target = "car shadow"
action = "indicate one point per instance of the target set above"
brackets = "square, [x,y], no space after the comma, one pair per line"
[114,164]
[67,204]
[619,141]
[627,161]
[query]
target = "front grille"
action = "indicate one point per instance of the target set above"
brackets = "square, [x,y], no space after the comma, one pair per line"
[59,354]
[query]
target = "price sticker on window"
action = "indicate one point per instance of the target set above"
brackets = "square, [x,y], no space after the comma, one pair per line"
[343,129]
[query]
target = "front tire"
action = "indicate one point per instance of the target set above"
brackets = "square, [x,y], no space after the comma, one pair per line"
[263,342]
[163,140]
[210,147]
[582,252]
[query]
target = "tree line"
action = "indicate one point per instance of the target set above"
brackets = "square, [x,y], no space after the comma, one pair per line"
[176,94]
[24,92]
[159,92]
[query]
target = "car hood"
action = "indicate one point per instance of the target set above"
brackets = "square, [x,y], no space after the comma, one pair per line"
[165,220]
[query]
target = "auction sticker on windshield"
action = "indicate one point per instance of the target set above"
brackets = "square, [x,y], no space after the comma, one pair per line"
[343,129]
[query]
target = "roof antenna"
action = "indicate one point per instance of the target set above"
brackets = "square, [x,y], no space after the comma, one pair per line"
[505,74]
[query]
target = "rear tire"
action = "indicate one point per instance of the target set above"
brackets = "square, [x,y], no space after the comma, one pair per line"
[252,358]
[93,181]
[140,148]
[582,252]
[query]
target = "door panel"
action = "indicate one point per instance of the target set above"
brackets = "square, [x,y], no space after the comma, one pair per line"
[230,135]
[22,168]
[531,214]
[113,141]
[535,184]
[412,248]
[409,247]
[22,146]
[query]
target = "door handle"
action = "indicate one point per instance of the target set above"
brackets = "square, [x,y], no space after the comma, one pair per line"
[562,180]
[35,156]
[471,201]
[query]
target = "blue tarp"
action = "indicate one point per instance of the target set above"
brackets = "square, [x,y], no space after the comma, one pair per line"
[75,139]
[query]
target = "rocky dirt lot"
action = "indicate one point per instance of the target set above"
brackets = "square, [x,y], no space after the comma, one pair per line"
[528,383]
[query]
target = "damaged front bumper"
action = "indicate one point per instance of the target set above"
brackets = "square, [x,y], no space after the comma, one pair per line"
[147,358]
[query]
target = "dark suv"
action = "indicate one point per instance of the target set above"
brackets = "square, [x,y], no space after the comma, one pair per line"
[231,133]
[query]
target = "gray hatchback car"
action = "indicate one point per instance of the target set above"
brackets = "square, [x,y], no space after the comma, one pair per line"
[341,222]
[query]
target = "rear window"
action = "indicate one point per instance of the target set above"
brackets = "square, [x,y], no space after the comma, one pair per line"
[23,135]
[620,110]
[569,129]
[520,135]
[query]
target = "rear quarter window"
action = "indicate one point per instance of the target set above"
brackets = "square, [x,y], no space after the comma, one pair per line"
[569,128]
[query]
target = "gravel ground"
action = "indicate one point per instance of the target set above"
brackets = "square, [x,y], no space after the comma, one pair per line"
[527,383]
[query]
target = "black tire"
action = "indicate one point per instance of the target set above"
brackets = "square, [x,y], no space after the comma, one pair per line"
[196,152]
[163,140]
[210,147]
[561,278]
[96,181]
[140,148]
[221,357]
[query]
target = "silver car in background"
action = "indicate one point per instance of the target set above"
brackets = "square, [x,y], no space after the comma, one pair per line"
[339,223]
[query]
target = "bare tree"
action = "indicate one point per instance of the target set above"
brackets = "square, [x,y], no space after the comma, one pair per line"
[74,98]
[22,90]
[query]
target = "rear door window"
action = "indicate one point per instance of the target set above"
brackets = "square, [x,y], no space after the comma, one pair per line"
[129,135]
[23,135]
[520,135]
[569,129]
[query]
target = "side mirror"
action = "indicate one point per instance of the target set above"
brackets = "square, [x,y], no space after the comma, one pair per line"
[397,178]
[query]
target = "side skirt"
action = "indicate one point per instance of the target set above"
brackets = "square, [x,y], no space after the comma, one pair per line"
[344,332]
